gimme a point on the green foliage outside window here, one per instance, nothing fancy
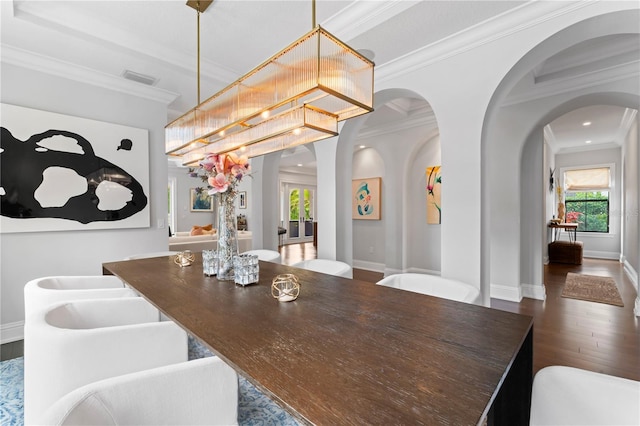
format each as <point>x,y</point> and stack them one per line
<point>593,207</point>
<point>294,204</point>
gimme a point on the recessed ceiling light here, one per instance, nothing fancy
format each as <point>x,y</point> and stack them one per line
<point>362,146</point>
<point>299,164</point>
<point>586,123</point>
<point>587,141</point>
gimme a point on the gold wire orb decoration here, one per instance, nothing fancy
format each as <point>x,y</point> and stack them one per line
<point>285,287</point>
<point>185,258</point>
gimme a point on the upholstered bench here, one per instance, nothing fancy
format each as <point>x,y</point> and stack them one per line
<point>566,252</point>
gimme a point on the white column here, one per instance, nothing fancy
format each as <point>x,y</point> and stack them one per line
<point>326,211</point>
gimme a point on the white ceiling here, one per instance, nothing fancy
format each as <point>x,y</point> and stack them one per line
<point>158,39</point>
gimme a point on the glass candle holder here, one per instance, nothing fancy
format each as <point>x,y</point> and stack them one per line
<point>285,287</point>
<point>246,269</point>
<point>209,262</point>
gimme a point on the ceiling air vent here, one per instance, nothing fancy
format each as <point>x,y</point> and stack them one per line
<point>139,78</point>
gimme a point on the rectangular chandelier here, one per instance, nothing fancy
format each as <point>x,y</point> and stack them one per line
<point>295,97</point>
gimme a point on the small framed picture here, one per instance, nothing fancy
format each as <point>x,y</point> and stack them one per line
<point>201,201</point>
<point>242,199</point>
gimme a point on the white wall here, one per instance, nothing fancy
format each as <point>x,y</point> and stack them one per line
<point>369,235</point>
<point>606,246</point>
<point>533,190</point>
<point>401,240</point>
<point>550,196</point>
<point>26,256</point>
<point>631,246</point>
<point>423,241</point>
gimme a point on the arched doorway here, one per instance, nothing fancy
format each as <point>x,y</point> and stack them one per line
<point>514,225</point>
<point>402,132</point>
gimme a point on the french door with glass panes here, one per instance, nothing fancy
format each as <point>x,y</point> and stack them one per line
<point>300,211</point>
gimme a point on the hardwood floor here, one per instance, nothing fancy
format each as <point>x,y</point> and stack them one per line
<point>593,336</point>
<point>576,333</point>
<point>293,253</point>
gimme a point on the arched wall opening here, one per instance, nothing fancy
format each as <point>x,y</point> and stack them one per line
<point>384,245</point>
<point>513,226</point>
<point>538,206</point>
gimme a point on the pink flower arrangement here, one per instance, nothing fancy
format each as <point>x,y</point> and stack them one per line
<point>571,217</point>
<point>222,172</point>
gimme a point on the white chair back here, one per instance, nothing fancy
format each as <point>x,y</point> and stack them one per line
<point>71,344</point>
<point>326,266</point>
<point>433,285</point>
<point>203,391</point>
<point>572,396</point>
<point>42,292</point>
<point>266,255</point>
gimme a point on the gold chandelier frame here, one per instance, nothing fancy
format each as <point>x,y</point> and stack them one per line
<point>295,97</point>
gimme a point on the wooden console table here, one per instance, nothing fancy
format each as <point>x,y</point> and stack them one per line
<point>556,227</point>
<point>348,351</point>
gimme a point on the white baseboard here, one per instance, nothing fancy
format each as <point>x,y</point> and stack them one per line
<point>633,277</point>
<point>602,254</point>
<point>391,271</point>
<point>503,292</point>
<point>423,271</point>
<point>12,332</point>
<point>632,274</point>
<point>368,266</point>
<point>538,292</point>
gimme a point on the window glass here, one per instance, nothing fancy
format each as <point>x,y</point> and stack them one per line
<point>590,209</point>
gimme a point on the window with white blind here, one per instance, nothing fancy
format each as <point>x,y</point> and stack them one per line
<point>586,198</point>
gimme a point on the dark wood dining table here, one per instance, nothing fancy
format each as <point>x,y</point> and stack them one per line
<point>349,351</point>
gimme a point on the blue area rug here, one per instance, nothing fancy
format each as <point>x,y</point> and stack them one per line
<point>254,408</point>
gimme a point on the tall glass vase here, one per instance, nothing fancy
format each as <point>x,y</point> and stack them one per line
<point>227,236</point>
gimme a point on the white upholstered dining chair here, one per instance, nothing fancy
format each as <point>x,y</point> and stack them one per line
<point>199,392</point>
<point>71,344</point>
<point>572,396</point>
<point>433,285</point>
<point>326,266</point>
<point>41,292</point>
<point>266,255</point>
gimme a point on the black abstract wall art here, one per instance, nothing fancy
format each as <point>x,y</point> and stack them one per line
<point>59,172</point>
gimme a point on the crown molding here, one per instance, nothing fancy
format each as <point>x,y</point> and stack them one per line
<point>427,121</point>
<point>515,20</point>
<point>48,15</point>
<point>25,59</point>
<point>361,16</point>
<point>590,147</point>
<point>573,83</point>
